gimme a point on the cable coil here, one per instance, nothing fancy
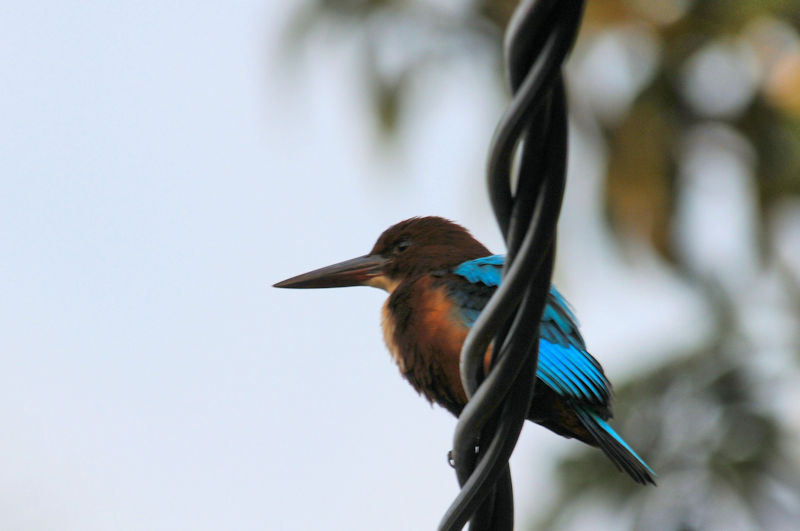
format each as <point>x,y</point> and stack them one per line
<point>532,133</point>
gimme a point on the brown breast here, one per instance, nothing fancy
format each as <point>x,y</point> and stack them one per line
<point>425,337</point>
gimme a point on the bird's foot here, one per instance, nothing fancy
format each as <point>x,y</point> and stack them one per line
<point>452,460</point>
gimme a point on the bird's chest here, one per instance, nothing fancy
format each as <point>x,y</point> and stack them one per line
<point>424,336</point>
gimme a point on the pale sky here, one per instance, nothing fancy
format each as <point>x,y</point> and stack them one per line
<point>162,166</point>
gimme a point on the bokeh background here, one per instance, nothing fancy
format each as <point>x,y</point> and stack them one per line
<point>162,164</point>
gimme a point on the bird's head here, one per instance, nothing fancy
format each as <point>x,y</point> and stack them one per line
<point>406,250</point>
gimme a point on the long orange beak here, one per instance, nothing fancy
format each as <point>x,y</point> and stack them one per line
<point>354,272</point>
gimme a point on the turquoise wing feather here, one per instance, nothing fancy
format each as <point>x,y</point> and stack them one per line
<point>564,364</point>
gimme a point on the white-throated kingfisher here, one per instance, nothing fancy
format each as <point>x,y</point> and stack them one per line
<point>439,278</point>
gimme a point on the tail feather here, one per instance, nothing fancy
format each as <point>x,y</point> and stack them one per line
<point>615,447</point>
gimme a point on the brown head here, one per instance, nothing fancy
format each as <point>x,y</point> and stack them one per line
<point>406,250</point>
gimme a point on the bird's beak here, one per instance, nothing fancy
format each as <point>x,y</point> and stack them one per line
<point>356,272</point>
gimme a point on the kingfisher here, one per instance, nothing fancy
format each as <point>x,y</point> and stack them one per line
<point>439,278</point>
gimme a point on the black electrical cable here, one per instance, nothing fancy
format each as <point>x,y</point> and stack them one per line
<point>534,127</point>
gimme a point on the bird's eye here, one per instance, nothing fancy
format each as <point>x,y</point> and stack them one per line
<point>401,246</point>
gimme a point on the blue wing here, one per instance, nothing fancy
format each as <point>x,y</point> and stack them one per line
<point>564,364</point>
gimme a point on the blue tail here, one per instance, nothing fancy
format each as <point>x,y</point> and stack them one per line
<point>615,448</point>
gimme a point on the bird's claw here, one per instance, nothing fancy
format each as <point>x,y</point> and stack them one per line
<point>452,460</point>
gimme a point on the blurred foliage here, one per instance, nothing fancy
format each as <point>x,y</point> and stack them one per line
<point>761,36</point>
<point>703,421</point>
<point>723,458</point>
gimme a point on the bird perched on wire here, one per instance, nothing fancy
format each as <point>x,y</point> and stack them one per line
<point>439,278</point>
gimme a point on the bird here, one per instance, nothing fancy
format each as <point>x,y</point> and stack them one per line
<point>439,278</point>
